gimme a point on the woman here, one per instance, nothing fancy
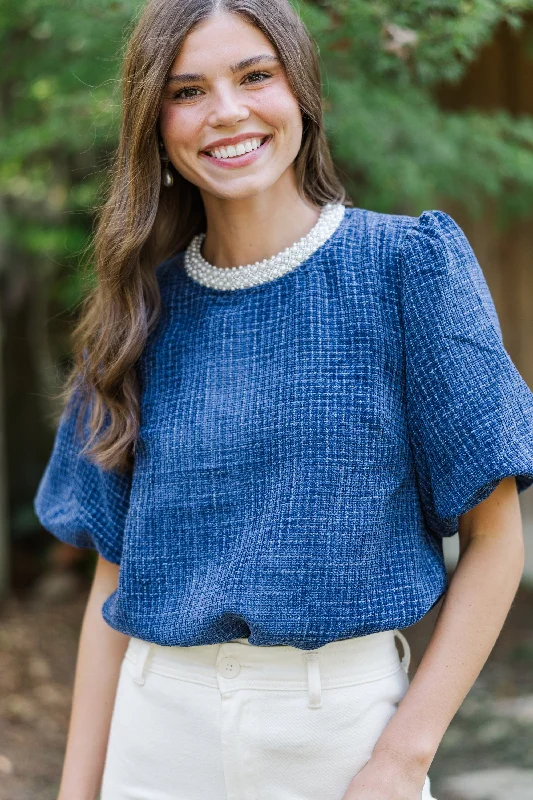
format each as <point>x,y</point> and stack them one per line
<point>286,402</point>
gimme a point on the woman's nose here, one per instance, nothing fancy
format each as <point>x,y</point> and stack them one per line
<point>227,109</point>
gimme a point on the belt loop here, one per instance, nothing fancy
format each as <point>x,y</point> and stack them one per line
<point>406,660</point>
<point>140,663</point>
<point>313,679</point>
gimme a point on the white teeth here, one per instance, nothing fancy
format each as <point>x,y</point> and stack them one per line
<point>235,150</point>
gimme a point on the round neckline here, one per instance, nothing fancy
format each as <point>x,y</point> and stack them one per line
<point>232,280</point>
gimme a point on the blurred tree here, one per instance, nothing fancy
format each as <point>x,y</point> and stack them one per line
<point>398,151</point>
<point>59,97</point>
<point>395,148</point>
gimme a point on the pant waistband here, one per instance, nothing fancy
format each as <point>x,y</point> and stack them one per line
<point>238,664</point>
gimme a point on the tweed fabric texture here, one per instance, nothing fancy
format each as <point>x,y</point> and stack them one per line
<point>305,443</point>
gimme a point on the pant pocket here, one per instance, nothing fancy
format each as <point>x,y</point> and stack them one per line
<point>293,752</point>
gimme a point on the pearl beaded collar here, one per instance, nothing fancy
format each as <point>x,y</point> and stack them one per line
<point>247,275</point>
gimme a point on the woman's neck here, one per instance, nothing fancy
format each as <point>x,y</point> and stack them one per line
<point>242,231</point>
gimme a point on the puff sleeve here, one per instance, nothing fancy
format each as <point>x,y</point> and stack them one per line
<point>78,501</point>
<point>469,411</point>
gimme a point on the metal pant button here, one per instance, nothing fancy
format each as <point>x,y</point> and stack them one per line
<point>229,667</point>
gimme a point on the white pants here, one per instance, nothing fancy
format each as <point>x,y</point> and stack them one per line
<point>236,721</point>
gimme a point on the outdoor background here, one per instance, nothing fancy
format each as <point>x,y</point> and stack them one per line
<point>428,105</point>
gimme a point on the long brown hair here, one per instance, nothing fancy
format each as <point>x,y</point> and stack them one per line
<point>141,224</point>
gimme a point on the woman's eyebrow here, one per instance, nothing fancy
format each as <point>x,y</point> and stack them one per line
<point>189,77</point>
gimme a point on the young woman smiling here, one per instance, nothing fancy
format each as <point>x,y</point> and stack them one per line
<point>280,404</point>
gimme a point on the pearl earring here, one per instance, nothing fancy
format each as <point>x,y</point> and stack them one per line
<point>167,178</point>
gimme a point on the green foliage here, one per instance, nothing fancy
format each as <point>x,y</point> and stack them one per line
<point>396,148</point>
<point>60,97</point>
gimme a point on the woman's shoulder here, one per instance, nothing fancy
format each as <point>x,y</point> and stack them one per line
<point>375,236</point>
<point>395,226</point>
<point>167,270</point>
<point>373,239</point>
<point>395,238</point>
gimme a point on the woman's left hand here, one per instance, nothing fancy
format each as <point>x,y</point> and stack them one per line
<point>380,779</point>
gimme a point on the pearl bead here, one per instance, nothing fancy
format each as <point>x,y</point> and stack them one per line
<point>168,178</point>
<point>268,269</point>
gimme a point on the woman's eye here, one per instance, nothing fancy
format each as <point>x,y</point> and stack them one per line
<point>180,96</point>
<point>187,92</point>
<point>260,74</point>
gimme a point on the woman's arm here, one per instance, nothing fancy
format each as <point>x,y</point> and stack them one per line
<point>100,653</point>
<point>474,609</point>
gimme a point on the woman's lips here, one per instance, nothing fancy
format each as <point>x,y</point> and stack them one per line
<point>239,161</point>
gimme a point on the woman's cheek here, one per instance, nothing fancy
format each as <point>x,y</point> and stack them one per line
<point>165,115</point>
<point>179,126</point>
<point>280,111</point>
<point>276,102</point>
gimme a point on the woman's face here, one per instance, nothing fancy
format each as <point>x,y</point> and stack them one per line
<point>227,88</point>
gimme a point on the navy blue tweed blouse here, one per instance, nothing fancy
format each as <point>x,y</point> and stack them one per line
<point>305,443</point>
